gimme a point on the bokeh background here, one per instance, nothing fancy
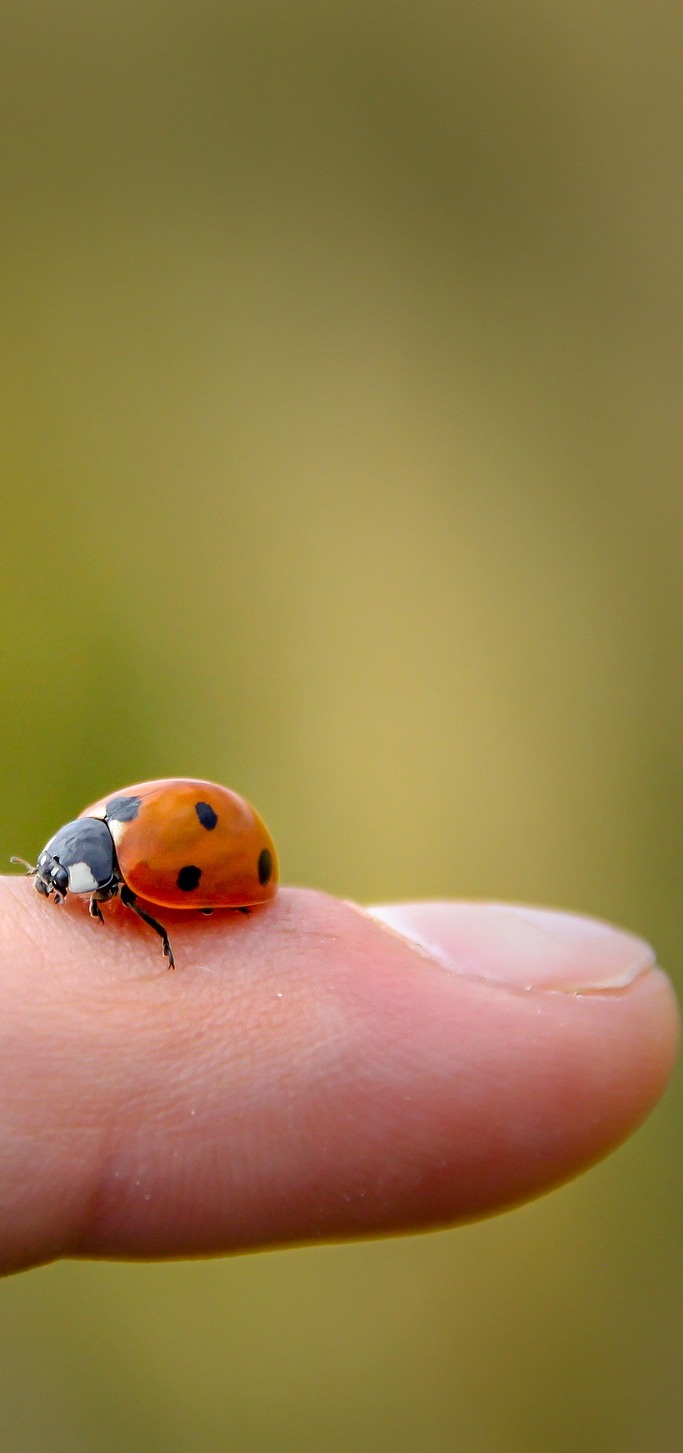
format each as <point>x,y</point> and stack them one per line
<point>341,461</point>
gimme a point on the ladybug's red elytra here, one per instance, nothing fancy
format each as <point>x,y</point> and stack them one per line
<point>178,843</point>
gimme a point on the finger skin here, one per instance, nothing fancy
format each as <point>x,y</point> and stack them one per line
<point>303,1073</point>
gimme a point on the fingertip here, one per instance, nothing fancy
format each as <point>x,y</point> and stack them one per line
<point>307,1070</point>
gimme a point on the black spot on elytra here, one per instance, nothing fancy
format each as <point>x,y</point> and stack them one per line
<point>123,809</point>
<point>206,815</point>
<point>188,878</point>
<point>265,866</point>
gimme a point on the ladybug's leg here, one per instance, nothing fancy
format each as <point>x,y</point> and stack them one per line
<point>131,902</point>
<point>95,910</point>
<point>243,910</point>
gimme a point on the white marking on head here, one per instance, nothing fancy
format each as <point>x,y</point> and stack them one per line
<point>81,879</point>
<point>116,829</point>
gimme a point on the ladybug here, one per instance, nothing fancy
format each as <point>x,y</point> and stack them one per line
<point>177,843</point>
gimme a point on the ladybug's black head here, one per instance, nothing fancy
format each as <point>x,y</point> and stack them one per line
<point>80,858</point>
<point>51,876</point>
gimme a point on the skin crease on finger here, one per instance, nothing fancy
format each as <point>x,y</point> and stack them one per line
<point>304,1073</point>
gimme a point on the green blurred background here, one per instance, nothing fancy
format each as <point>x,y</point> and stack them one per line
<point>341,461</point>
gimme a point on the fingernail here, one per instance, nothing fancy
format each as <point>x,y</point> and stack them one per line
<point>525,948</point>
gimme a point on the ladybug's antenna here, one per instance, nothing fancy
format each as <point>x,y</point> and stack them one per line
<point>22,862</point>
